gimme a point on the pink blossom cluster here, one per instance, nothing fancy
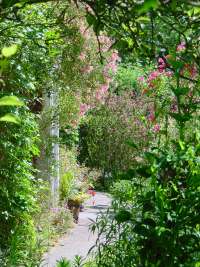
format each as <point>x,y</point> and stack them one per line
<point>151,116</point>
<point>191,69</point>
<point>83,109</point>
<point>152,119</point>
<point>153,76</point>
<point>87,69</point>
<point>82,56</point>
<point>181,47</point>
<point>141,79</point>
<point>156,128</point>
<point>88,9</point>
<point>84,31</point>
<point>109,69</point>
<point>161,65</point>
<point>102,91</point>
<point>105,42</point>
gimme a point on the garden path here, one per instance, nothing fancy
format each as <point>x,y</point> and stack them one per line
<point>80,239</point>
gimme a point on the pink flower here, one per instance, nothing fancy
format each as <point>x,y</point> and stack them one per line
<point>181,47</point>
<point>104,88</point>
<point>110,67</point>
<point>87,69</point>
<point>141,79</point>
<point>193,71</point>
<point>151,116</point>
<point>156,128</point>
<point>161,65</point>
<point>115,56</point>
<point>174,107</point>
<point>168,73</point>
<point>153,75</point>
<point>82,56</point>
<point>88,9</point>
<point>83,109</point>
<point>84,31</point>
<point>108,80</point>
<point>99,95</point>
<point>105,42</point>
<point>161,61</point>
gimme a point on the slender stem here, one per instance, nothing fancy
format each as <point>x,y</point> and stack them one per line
<point>180,123</point>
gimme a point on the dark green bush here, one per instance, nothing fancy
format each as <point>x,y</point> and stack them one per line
<point>17,188</point>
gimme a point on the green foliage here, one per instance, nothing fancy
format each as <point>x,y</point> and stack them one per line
<point>17,147</point>
<point>10,101</point>
<point>126,78</point>
<point>67,185</point>
<point>63,263</point>
<point>69,137</point>
<point>77,262</point>
<point>154,218</point>
<point>9,51</point>
<point>104,137</point>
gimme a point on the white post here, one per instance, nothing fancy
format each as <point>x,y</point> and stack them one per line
<point>54,134</point>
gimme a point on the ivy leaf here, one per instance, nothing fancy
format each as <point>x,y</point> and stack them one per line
<point>9,51</point>
<point>10,118</point>
<point>10,101</point>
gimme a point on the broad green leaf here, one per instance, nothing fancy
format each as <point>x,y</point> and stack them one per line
<point>10,118</point>
<point>143,19</point>
<point>161,229</point>
<point>147,5</point>
<point>10,101</point>
<point>9,51</point>
<point>91,19</point>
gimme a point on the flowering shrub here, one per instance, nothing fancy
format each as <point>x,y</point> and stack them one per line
<point>156,213</point>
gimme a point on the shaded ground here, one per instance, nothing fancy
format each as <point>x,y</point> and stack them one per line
<point>79,240</point>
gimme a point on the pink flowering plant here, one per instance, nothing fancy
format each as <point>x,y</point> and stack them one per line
<point>156,203</point>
